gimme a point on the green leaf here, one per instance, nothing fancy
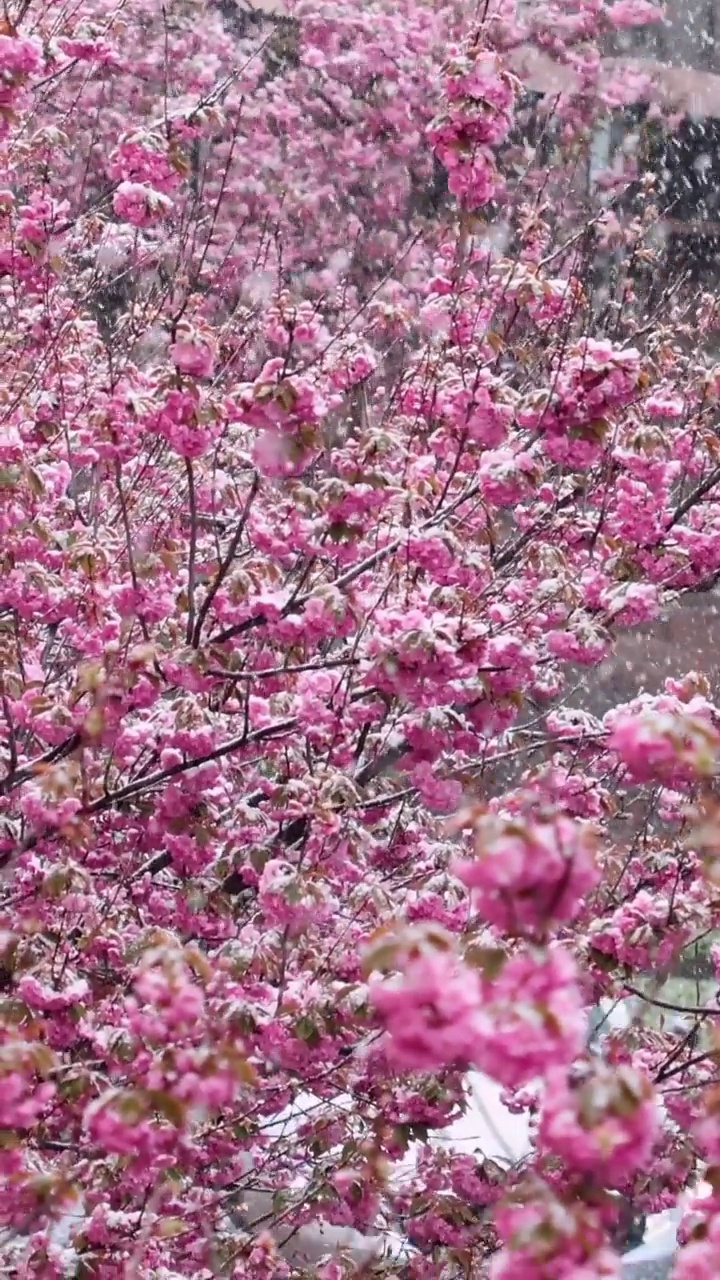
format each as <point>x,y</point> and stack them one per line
<point>306,1030</point>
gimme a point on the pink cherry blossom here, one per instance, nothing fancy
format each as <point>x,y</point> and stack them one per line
<point>529,870</point>
<point>430,1012</point>
<point>139,204</point>
<point>600,1121</point>
<point>359,532</point>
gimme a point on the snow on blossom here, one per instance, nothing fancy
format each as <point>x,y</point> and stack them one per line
<point>329,451</point>
<point>601,1120</point>
<point>658,737</point>
<point>429,1012</point>
<point>529,870</point>
<point>139,204</point>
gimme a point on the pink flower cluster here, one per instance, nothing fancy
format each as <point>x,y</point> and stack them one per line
<point>549,1238</point>
<point>140,204</point>
<point>316,484</point>
<point>193,351</point>
<point>650,929</point>
<point>430,1012</point>
<point>595,380</point>
<point>288,901</point>
<point>514,1024</point>
<point>600,1120</point>
<point>480,96</point>
<point>664,738</point>
<point>531,870</point>
<point>142,159</point>
<point>20,57</point>
<point>286,410</point>
<point>634,13</point>
<point>507,476</point>
<point>531,1017</point>
<point>24,1095</point>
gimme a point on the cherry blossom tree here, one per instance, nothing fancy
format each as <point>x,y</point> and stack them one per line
<point>327,460</point>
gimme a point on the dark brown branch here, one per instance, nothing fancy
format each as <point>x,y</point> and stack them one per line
<point>226,563</point>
